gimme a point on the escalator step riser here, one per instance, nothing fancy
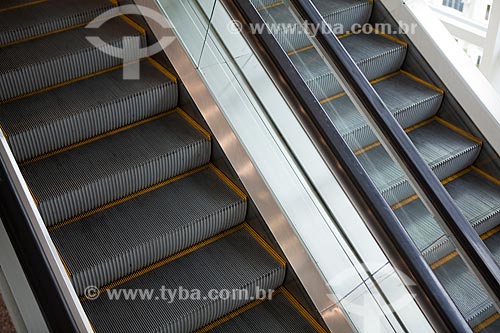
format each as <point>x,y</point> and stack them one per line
<point>60,69</point>
<point>364,136</point>
<point>327,85</point>
<point>54,24</point>
<point>88,123</point>
<point>224,265</point>
<point>78,180</point>
<point>161,247</point>
<point>403,190</point>
<point>116,186</point>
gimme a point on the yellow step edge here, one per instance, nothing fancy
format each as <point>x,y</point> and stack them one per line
<point>459,130</point>
<point>64,264</point>
<point>293,301</point>
<point>265,245</point>
<point>452,255</point>
<point>228,182</point>
<point>391,38</point>
<point>486,323</point>
<point>443,182</point>
<point>303,311</point>
<point>2,10</point>
<point>133,24</point>
<point>276,4</point>
<point>375,81</point>
<point>302,49</point>
<point>162,69</point>
<point>195,124</point>
<point>422,81</point>
<point>97,137</point>
<point>486,175</point>
<point>126,198</point>
<point>169,259</point>
<point>231,315</point>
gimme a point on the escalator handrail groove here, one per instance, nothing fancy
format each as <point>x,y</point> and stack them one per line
<point>435,301</point>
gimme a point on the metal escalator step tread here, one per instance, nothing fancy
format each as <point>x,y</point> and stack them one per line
<point>92,175</point>
<point>446,151</point>
<point>375,55</point>
<point>60,57</point>
<point>478,199</point>
<point>408,100</point>
<point>277,315</point>
<point>57,118</point>
<point>118,241</point>
<point>341,15</point>
<point>232,263</point>
<point>47,16</point>
<point>465,290</point>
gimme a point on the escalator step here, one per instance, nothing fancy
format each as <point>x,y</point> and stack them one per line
<point>477,197</point>
<point>445,150</point>
<point>410,102</point>
<point>115,242</point>
<point>235,262</point>
<point>57,118</point>
<point>375,55</point>
<point>465,290</point>
<point>277,315</point>
<point>89,176</point>
<point>47,16</point>
<point>341,15</point>
<point>60,57</point>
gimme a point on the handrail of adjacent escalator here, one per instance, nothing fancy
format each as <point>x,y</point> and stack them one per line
<point>442,312</point>
<point>468,243</point>
<point>29,251</point>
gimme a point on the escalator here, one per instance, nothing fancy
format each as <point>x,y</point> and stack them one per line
<point>124,181</point>
<point>418,105</point>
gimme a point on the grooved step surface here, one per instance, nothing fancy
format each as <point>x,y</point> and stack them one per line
<point>113,243</point>
<point>277,315</point>
<point>375,55</point>
<point>341,15</point>
<point>235,262</point>
<point>60,117</point>
<point>465,289</point>
<point>446,152</point>
<point>81,179</point>
<point>477,198</point>
<point>48,16</point>
<point>408,100</point>
<point>61,57</point>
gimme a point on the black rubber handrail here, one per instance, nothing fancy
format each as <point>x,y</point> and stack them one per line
<point>30,254</point>
<point>445,315</point>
